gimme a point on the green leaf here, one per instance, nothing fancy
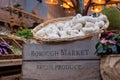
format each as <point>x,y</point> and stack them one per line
<point>113,48</point>
<point>115,37</point>
<point>100,49</point>
<point>98,44</point>
<point>25,33</point>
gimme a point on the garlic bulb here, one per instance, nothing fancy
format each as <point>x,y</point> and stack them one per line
<point>81,33</point>
<point>78,16</point>
<point>52,36</point>
<point>75,19</point>
<point>88,30</point>
<point>72,33</point>
<point>102,17</point>
<point>89,24</point>
<point>96,28</point>
<point>41,33</point>
<point>82,20</point>
<point>78,26</point>
<point>59,24</point>
<point>63,34</point>
<point>100,24</point>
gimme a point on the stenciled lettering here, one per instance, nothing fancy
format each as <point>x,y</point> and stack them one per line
<point>65,52</point>
<point>61,52</point>
<point>44,53</point>
<point>58,67</point>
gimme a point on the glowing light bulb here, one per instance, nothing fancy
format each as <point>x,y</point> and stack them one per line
<point>68,2</point>
<point>96,9</point>
<point>99,1</point>
<point>51,1</point>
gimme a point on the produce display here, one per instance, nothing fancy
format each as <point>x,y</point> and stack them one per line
<point>16,50</point>
<point>4,48</point>
<point>77,26</point>
<point>25,33</point>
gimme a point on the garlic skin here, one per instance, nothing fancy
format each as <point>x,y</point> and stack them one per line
<point>89,24</point>
<point>82,20</point>
<point>63,34</point>
<point>100,24</point>
<point>81,33</point>
<point>41,33</point>
<point>68,25</point>
<point>102,17</point>
<point>78,16</point>
<point>90,19</point>
<point>72,33</point>
<point>60,24</point>
<point>52,36</point>
<point>88,30</point>
<point>97,28</point>
<point>78,26</point>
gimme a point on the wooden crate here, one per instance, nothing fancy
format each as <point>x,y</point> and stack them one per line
<point>84,49</point>
<point>61,61</point>
<point>10,62</point>
<point>13,42</point>
<point>10,56</point>
<point>61,70</point>
<point>11,77</point>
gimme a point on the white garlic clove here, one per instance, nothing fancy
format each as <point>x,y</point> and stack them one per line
<point>89,24</point>
<point>41,33</point>
<point>88,30</point>
<point>82,20</point>
<point>81,33</point>
<point>100,24</point>
<point>102,17</point>
<point>63,34</point>
<point>78,26</point>
<point>60,24</point>
<point>52,36</point>
<point>73,33</point>
<point>78,16</point>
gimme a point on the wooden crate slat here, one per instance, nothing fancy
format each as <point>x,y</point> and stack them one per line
<point>10,62</point>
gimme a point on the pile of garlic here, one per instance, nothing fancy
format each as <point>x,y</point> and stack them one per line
<point>77,26</point>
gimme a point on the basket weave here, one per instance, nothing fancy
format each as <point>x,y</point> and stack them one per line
<point>64,39</point>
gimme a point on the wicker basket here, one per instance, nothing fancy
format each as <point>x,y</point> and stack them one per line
<point>64,39</point>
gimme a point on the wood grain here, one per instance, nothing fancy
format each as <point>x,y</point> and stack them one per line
<point>110,67</point>
<point>84,49</point>
<point>61,70</point>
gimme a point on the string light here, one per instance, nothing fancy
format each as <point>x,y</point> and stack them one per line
<point>109,5</point>
<point>96,9</point>
<point>99,1</point>
<point>67,4</point>
<point>54,2</point>
<point>115,0</point>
